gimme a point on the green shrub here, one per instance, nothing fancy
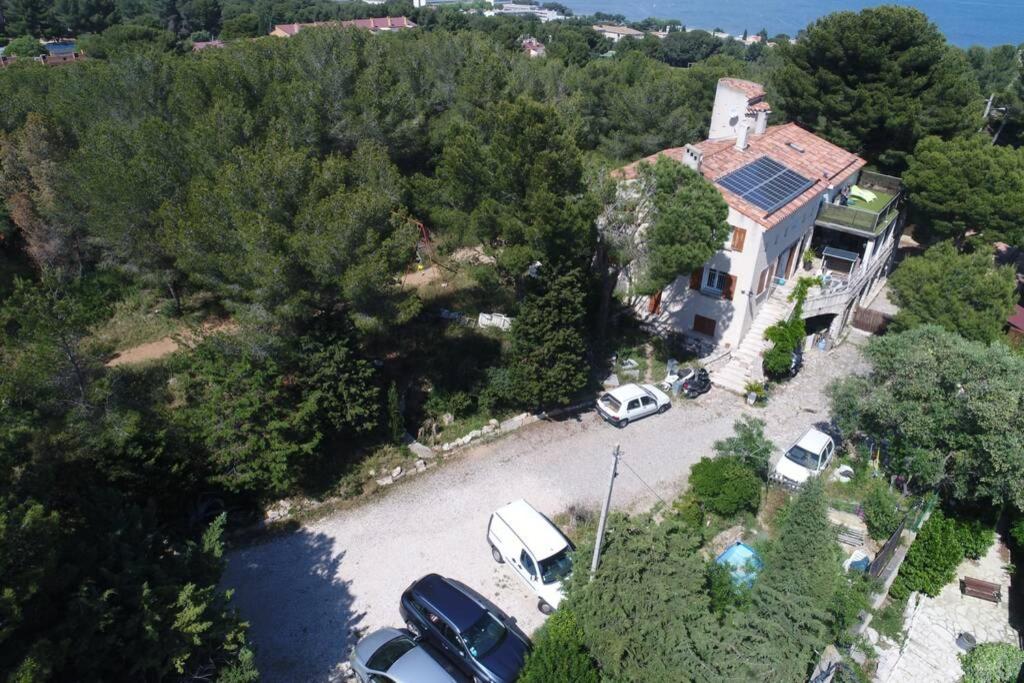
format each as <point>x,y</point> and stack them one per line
<point>725,486</point>
<point>749,444</point>
<point>725,595</point>
<point>932,560</point>
<point>689,510</point>
<point>888,621</point>
<point>786,335</point>
<point>992,663</point>
<point>882,512</point>
<point>458,403</point>
<point>1017,531</point>
<point>25,46</point>
<point>559,655</point>
<point>975,538</point>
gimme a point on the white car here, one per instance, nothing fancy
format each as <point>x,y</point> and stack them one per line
<point>535,549</point>
<point>622,405</point>
<point>807,458</point>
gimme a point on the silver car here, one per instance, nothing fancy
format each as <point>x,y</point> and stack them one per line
<point>392,655</point>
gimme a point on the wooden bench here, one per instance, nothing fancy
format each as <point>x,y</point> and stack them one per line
<point>849,536</point>
<point>985,590</point>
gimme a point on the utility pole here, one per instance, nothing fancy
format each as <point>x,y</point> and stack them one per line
<point>604,511</point>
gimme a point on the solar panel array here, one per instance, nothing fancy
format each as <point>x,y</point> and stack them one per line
<point>765,183</point>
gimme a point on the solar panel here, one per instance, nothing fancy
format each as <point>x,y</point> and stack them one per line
<point>765,183</point>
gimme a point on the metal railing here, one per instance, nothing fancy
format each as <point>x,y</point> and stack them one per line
<point>840,295</point>
<point>888,183</point>
<point>870,222</point>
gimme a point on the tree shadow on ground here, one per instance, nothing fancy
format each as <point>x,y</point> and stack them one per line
<point>301,621</point>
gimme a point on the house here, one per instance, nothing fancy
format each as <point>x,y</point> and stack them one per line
<point>518,10</point>
<point>374,25</point>
<point>617,33</point>
<point>48,60</point>
<point>787,191</point>
<point>533,47</point>
<point>1015,324</point>
<point>206,44</point>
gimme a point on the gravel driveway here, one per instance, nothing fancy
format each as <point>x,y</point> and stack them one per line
<point>304,593</point>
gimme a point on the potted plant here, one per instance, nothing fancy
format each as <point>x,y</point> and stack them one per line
<point>809,256</point>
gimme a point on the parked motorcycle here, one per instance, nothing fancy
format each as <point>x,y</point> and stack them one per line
<point>796,363</point>
<point>696,384</point>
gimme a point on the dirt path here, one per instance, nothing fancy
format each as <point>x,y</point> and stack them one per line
<point>144,352</point>
<point>164,347</point>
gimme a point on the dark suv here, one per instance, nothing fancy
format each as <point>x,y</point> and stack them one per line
<point>482,642</point>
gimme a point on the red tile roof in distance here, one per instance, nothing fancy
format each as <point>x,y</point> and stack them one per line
<point>789,144</point>
<point>1016,320</point>
<point>373,24</point>
<point>749,88</point>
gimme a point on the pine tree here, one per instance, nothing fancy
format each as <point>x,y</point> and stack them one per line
<point>787,623</point>
<point>547,349</point>
<point>559,655</point>
<point>396,425</point>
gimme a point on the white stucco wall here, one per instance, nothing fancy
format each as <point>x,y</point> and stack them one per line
<point>729,111</point>
<point>680,304</point>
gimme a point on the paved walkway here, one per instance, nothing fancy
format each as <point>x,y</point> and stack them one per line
<point>306,592</point>
<point>929,654</point>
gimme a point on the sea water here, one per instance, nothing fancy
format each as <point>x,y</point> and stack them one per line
<point>965,22</point>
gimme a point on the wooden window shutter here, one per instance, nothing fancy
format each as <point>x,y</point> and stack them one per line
<point>654,303</point>
<point>695,278</point>
<point>739,236</point>
<point>762,281</point>
<point>730,288</point>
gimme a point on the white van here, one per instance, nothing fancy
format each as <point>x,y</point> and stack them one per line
<point>534,548</point>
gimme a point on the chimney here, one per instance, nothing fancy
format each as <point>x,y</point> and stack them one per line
<point>761,122</point>
<point>742,134</point>
<point>693,157</point>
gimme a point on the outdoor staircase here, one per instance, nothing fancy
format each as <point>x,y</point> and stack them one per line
<point>735,375</point>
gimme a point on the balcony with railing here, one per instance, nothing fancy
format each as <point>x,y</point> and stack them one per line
<point>873,205</point>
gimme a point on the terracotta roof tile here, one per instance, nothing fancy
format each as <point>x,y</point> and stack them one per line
<point>749,88</point>
<point>812,157</point>
<point>372,24</point>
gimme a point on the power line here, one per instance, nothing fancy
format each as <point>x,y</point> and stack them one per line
<point>626,464</point>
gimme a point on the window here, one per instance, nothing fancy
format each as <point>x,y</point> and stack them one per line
<point>739,236</point>
<point>762,281</point>
<point>803,457</point>
<point>389,653</point>
<point>484,635</point>
<point>528,564</point>
<point>556,567</point>
<point>448,633</point>
<point>704,325</point>
<point>716,280</point>
<point>648,402</point>
<point>634,404</point>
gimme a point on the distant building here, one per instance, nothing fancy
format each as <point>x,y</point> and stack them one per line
<point>201,45</point>
<point>1015,324</point>
<point>794,198</point>
<point>48,60</point>
<point>533,47</point>
<point>374,25</point>
<point>617,33</point>
<point>516,10</point>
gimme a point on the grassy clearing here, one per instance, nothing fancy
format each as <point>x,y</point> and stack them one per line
<point>888,619</point>
<point>142,316</point>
